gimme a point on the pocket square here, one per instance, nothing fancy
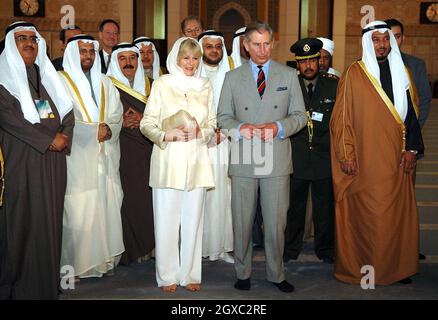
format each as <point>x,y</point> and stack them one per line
<point>281,88</point>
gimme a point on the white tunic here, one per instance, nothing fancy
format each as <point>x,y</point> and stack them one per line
<point>92,232</point>
<point>218,229</point>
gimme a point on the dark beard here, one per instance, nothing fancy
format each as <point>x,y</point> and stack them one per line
<point>383,59</point>
<point>212,62</point>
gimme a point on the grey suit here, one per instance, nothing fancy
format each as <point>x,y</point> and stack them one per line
<point>240,103</point>
<point>419,73</point>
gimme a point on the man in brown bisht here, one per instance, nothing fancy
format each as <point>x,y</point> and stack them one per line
<point>127,74</point>
<point>375,140</point>
<point>36,128</point>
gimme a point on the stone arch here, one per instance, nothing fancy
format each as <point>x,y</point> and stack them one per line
<point>228,31</point>
<point>229,6</point>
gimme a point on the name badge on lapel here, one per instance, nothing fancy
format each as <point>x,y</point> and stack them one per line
<point>44,109</point>
<point>316,116</point>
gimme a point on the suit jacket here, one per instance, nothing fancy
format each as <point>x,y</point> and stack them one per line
<point>419,73</point>
<point>57,63</point>
<point>102,62</point>
<point>312,162</point>
<point>240,103</point>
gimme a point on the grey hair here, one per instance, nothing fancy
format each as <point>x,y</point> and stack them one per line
<point>258,26</point>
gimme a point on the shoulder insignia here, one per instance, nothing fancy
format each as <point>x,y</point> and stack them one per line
<point>330,76</point>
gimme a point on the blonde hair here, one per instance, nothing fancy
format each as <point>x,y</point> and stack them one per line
<point>189,46</point>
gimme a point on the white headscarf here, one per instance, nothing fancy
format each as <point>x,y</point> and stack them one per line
<point>115,71</point>
<point>328,45</point>
<point>72,65</point>
<point>176,76</point>
<point>13,76</point>
<point>400,78</point>
<point>235,55</point>
<point>224,66</point>
<point>143,41</point>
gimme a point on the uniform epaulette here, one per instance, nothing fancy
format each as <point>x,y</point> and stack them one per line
<point>330,76</point>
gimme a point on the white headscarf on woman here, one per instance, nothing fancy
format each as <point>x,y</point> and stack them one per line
<point>115,71</point>
<point>235,55</point>
<point>13,75</point>
<point>217,80</point>
<point>72,65</point>
<point>400,78</point>
<point>177,77</point>
<point>145,41</point>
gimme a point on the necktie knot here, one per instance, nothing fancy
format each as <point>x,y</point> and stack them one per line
<point>310,90</point>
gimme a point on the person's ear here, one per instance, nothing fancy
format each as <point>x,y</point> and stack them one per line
<point>246,45</point>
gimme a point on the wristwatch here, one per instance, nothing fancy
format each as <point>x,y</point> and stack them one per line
<point>414,151</point>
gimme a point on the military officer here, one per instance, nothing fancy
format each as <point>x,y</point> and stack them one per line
<point>311,157</point>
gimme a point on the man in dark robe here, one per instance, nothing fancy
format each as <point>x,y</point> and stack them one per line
<point>36,126</point>
<point>127,75</point>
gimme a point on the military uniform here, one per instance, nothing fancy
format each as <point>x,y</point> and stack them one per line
<point>312,167</point>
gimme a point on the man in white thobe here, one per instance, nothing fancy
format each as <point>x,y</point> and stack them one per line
<point>217,238</point>
<point>92,235</point>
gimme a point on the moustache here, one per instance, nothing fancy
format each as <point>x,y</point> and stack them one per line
<point>309,70</point>
<point>128,66</point>
<point>29,48</point>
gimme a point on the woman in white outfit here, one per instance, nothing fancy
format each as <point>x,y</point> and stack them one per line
<point>180,167</point>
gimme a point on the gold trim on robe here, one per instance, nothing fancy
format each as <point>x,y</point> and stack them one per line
<point>148,87</point>
<point>131,91</point>
<point>81,101</point>
<point>387,101</point>
<point>413,93</point>
<point>231,62</point>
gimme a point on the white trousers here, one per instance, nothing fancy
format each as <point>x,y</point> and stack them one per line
<point>178,221</point>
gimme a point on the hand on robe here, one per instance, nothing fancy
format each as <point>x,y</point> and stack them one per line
<point>131,119</point>
<point>349,167</point>
<point>104,133</point>
<point>266,131</point>
<point>408,161</point>
<point>59,143</point>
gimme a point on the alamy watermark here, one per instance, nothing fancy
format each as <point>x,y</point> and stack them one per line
<point>368,281</point>
<point>369,15</point>
<point>67,277</point>
<point>68,20</point>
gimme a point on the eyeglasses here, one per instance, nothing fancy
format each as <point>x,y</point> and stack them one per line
<point>24,39</point>
<point>192,31</point>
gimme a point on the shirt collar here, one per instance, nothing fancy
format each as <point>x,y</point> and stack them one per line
<point>255,66</point>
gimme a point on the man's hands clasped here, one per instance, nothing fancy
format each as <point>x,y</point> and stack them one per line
<point>265,131</point>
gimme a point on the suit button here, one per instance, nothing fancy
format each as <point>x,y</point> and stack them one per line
<point>246,108</point>
<point>276,107</point>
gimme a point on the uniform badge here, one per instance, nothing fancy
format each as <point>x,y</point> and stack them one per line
<point>306,48</point>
